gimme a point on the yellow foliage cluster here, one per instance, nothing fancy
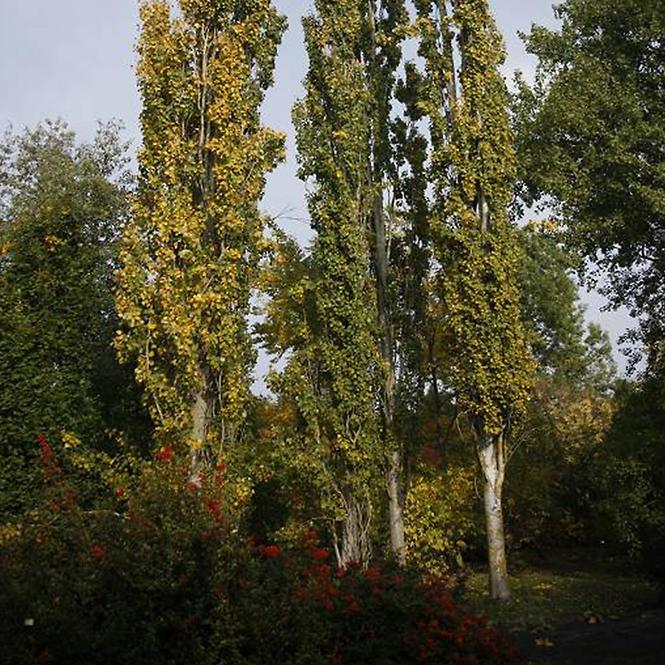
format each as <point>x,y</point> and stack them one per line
<point>191,249</point>
<point>440,518</point>
<point>473,167</point>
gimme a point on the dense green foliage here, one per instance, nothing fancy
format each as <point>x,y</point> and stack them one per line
<point>590,136</point>
<point>332,376</point>
<point>61,209</point>
<point>591,141</point>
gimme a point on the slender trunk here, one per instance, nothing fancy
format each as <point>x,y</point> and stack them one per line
<point>199,418</point>
<point>396,507</point>
<point>492,464</point>
<point>199,428</point>
<point>394,475</point>
<point>376,170</point>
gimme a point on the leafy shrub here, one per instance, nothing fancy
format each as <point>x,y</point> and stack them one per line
<point>162,574</point>
<point>442,520</point>
<point>550,475</point>
<point>124,581</point>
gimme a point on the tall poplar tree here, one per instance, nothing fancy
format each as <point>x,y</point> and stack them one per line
<point>472,170</point>
<point>190,252</point>
<point>336,366</point>
<point>344,146</point>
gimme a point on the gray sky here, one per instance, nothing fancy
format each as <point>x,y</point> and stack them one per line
<point>73,59</point>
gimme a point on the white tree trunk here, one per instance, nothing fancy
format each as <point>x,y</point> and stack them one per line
<point>396,508</point>
<point>199,432</point>
<point>492,463</point>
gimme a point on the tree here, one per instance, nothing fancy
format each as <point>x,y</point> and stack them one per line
<point>567,419</point>
<point>332,375</point>
<point>61,206</point>
<point>591,141</point>
<point>474,242</point>
<point>191,249</point>
<point>381,54</point>
<point>344,145</point>
<point>567,350</point>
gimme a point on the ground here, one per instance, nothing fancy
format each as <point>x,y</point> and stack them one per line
<point>579,607</point>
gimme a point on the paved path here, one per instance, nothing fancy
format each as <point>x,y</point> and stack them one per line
<point>633,639</point>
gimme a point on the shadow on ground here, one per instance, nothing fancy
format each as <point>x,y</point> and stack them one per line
<point>632,640</point>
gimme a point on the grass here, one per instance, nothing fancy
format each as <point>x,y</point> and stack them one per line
<point>563,588</point>
<point>566,586</point>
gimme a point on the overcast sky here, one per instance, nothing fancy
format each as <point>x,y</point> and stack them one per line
<point>73,59</point>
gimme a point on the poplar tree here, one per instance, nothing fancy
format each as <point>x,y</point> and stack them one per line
<point>337,364</point>
<point>190,252</point>
<point>343,126</point>
<point>472,171</point>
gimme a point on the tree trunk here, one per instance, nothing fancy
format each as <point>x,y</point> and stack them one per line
<point>492,463</point>
<point>355,545</point>
<point>199,418</point>
<point>376,171</point>
<point>199,430</point>
<point>396,507</point>
<point>394,475</point>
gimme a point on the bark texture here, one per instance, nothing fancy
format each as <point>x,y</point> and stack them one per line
<point>353,544</point>
<point>492,464</point>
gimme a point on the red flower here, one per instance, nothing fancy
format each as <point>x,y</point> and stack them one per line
<point>120,492</point>
<point>214,507</point>
<point>319,554</point>
<point>164,454</point>
<point>271,552</point>
<point>47,457</point>
<point>98,552</point>
<point>372,573</point>
<point>322,571</point>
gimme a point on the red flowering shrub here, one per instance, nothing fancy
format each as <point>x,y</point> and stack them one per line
<point>164,454</point>
<point>127,580</point>
<point>98,552</point>
<point>307,610</point>
<point>162,574</point>
<point>269,551</point>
